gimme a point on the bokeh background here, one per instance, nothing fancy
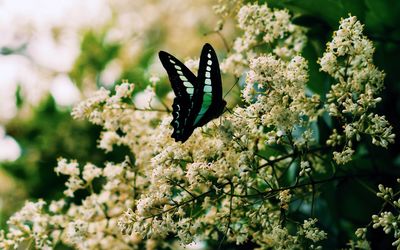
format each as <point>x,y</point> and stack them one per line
<point>55,53</point>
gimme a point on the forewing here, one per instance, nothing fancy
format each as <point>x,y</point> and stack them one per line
<point>210,85</point>
<point>183,83</point>
<point>182,79</point>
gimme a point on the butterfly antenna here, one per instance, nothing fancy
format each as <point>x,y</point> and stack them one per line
<point>229,110</point>
<point>165,106</point>
<point>162,103</point>
<point>237,80</point>
<point>224,41</point>
<point>218,32</point>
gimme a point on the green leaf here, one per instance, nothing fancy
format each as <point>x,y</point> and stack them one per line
<point>381,15</point>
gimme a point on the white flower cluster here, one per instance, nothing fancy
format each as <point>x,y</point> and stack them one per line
<point>75,182</point>
<point>276,91</point>
<point>348,60</point>
<point>28,226</point>
<point>86,108</point>
<point>92,107</point>
<point>361,240</point>
<point>280,238</point>
<point>123,123</point>
<point>92,224</point>
<point>226,8</point>
<point>311,232</point>
<point>262,28</point>
<point>389,221</point>
<point>196,189</point>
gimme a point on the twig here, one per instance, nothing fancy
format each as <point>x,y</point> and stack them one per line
<point>185,202</point>
<point>229,216</point>
<point>269,162</point>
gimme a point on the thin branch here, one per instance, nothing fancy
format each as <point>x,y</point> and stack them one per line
<point>374,192</point>
<point>229,216</point>
<point>265,194</point>
<point>182,187</point>
<point>313,194</point>
<point>269,162</point>
<point>185,202</point>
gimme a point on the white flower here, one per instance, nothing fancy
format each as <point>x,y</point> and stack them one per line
<point>57,206</point>
<point>108,139</point>
<point>90,171</point>
<point>74,183</point>
<point>65,168</point>
<point>124,90</point>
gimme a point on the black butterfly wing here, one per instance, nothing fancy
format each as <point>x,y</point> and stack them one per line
<point>183,83</point>
<point>209,87</point>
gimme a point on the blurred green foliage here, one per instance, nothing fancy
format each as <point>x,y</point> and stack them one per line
<point>96,52</point>
<point>51,133</point>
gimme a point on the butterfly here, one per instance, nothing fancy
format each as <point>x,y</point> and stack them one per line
<point>198,100</point>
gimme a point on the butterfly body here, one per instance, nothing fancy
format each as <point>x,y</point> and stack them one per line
<point>198,100</point>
